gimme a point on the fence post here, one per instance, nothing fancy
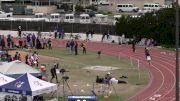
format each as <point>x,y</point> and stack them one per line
<point>42,26</point>
<point>11,24</point>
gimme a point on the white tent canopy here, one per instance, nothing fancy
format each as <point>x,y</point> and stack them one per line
<point>17,67</point>
<point>5,79</point>
<point>28,85</point>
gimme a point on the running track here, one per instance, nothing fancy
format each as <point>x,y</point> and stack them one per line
<point>162,69</point>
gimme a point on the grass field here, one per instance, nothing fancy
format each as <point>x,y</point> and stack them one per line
<point>81,80</point>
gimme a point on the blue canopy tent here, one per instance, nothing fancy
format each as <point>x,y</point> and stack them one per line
<point>28,85</point>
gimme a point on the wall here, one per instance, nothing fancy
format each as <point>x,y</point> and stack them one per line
<point>43,9</point>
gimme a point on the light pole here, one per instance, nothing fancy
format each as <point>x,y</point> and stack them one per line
<point>177,50</point>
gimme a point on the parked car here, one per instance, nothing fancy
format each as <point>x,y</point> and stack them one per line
<point>151,7</point>
<point>126,8</point>
<point>84,18</point>
<point>4,14</point>
<point>103,2</point>
<point>69,18</point>
<point>90,12</point>
<point>55,17</point>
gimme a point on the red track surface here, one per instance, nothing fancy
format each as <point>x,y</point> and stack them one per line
<point>162,69</point>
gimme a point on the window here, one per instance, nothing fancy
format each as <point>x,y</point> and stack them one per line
<point>71,17</point>
<point>145,5</point>
<point>67,17</point>
<point>56,16</point>
<point>52,17</point>
<point>40,16</point>
<point>130,5</point>
<point>87,17</point>
<point>119,5</point>
<point>14,98</point>
<point>7,98</point>
<point>83,17</point>
<point>156,5</point>
<point>126,5</point>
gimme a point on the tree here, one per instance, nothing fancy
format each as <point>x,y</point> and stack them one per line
<point>158,25</point>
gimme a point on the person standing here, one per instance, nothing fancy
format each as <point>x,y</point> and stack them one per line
<point>53,73</point>
<point>49,44</point>
<point>103,36</point>
<point>26,59</point>
<point>12,42</point>
<point>133,46</point>
<point>19,31</point>
<point>71,46</point>
<point>76,47</point>
<point>87,34</point>
<point>55,33</point>
<point>9,41</point>
<point>83,45</point>
<point>44,43</point>
<point>59,33</point>
<point>92,33</point>
<point>33,38</point>
<point>3,44</point>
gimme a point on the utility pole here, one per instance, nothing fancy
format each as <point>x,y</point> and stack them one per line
<point>177,50</point>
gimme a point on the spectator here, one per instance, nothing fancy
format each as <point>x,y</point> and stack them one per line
<point>83,45</point>
<point>49,44</point>
<point>26,59</point>
<point>108,34</point>
<point>76,47</point>
<point>20,43</point>
<point>12,42</point>
<point>68,46</point>
<point>55,33</point>
<point>16,56</point>
<point>33,38</point>
<point>36,58</point>
<point>133,46</point>
<point>71,44</point>
<point>19,57</point>
<point>92,33</point>
<point>39,32</point>
<point>87,34</point>
<point>19,31</point>
<point>59,33</point>
<point>62,33</point>
<point>3,44</point>
<point>9,41</point>
<point>38,44</point>
<point>103,36</point>
<point>44,43</point>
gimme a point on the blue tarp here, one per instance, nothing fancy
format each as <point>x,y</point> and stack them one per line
<point>18,86</point>
<point>28,85</point>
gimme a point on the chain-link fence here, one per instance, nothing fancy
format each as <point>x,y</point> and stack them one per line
<point>50,26</point>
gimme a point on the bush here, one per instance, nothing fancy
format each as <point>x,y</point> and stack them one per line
<point>79,8</point>
<point>92,7</point>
